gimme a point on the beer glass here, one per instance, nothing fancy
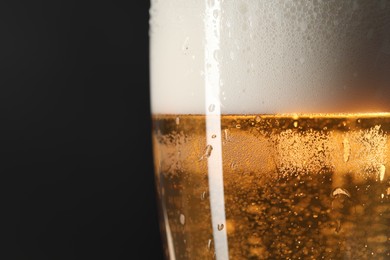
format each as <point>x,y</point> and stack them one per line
<point>271,126</point>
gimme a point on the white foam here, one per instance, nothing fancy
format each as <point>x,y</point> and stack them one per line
<point>279,56</point>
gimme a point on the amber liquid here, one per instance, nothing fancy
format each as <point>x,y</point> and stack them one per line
<point>295,186</point>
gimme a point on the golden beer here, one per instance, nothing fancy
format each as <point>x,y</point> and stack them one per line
<point>295,186</point>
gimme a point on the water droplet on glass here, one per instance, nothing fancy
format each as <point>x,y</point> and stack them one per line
<point>220,227</point>
<point>177,120</point>
<point>295,123</point>
<point>207,152</point>
<point>340,191</point>
<point>182,219</point>
<point>338,225</point>
<point>209,244</point>
<point>347,149</point>
<point>226,134</point>
<point>211,108</point>
<point>382,195</point>
<point>382,170</point>
<point>203,195</point>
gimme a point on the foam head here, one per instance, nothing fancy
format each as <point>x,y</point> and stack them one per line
<point>277,56</point>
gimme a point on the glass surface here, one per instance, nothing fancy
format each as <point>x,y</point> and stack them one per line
<point>271,124</point>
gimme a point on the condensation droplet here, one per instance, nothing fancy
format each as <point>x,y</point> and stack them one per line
<point>340,191</point>
<point>347,149</point>
<point>338,225</point>
<point>203,195</point>
<point>226,134</point>
<point>295,123</point>
<point>382,195</point>
<point>209,244</point>
<point>177,120</point>
<point>182,219</point>
<point>211,108</point>
<point>382,170</point>
<point>220,227</point>
<point>207,152</point>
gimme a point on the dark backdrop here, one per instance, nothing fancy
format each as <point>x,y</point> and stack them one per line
<point>75,148</point>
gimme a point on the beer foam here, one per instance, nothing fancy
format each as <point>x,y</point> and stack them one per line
<point>269,57</point>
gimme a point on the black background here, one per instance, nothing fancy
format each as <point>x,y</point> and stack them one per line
<point>75,147</point>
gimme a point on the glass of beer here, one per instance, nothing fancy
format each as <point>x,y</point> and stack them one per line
<point>271,128</point>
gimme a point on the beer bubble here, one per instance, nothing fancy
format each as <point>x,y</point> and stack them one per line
<point>182,219</point>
